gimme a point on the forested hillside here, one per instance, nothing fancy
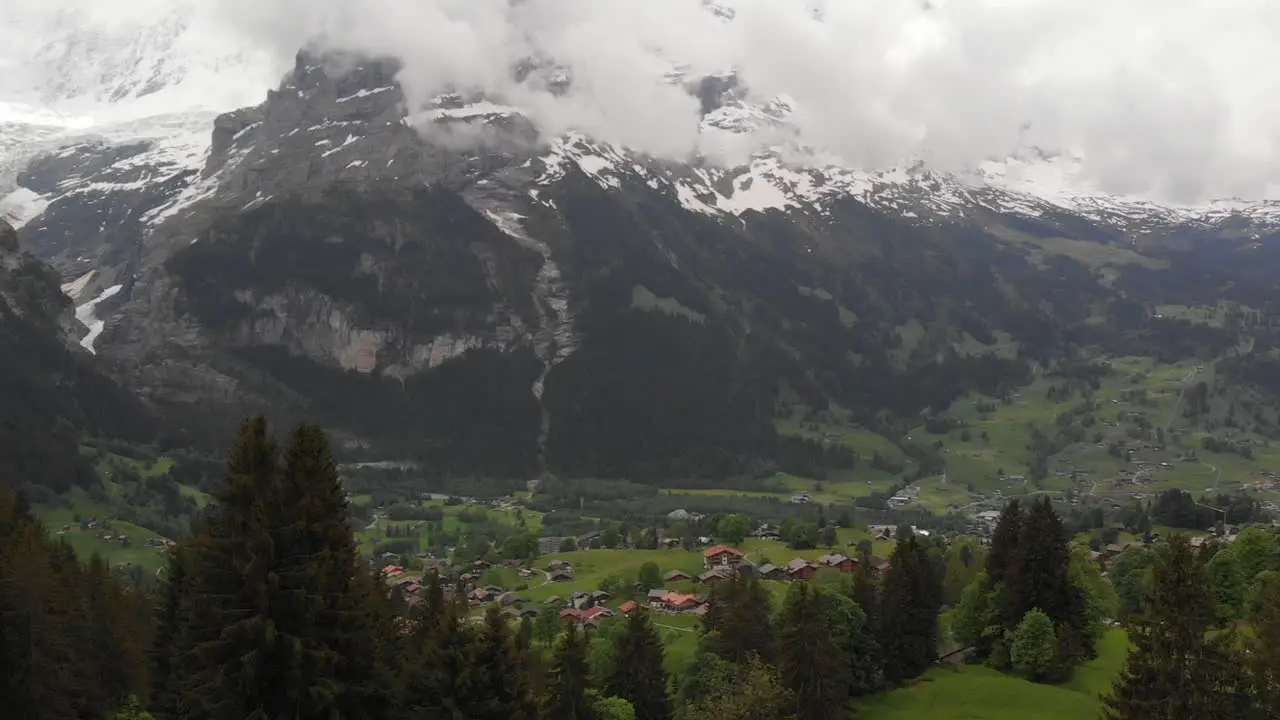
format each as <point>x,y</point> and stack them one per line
<point>53,395</point>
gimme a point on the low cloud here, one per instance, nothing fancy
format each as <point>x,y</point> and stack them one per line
<point>1176,99</point>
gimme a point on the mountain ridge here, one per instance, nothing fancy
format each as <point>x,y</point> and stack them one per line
<point>558,304</point>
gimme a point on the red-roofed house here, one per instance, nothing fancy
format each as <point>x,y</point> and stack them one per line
<point>628,607</point>
<point>676,602</point>
<point>597,613</point>
<point>408,585</point>
<point>571,614</point>
<point>721,555</point>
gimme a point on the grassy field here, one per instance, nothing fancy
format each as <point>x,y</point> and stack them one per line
<point>841,488</point>
<point>994,444</point>
<point>368,537</point>
<point>980,693</point>
<point>62,523</point>
<point>991,446</point>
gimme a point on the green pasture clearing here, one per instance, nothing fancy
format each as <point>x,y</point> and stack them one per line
<point>840,489</point>
<point>591,567</point>
<point>1091,254</point>
<point>941,498</point>
<point>718,492</point>
<point>368,537</point>
<point>865,442</point>
<point>972,692</point>
<point>61,523</point>
<point>998,437</point>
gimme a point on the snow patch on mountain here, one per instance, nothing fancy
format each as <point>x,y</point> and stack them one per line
<point>75,288</point>
<point>87,315</point>
<point>20,206</point>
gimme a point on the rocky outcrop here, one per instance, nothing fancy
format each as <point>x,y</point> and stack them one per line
<point>327,227</point>
<point>30,291</point>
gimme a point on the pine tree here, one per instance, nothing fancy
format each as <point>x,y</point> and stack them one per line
<point>115,639</point>
<point>811,663</point>
<point>1174,672</point>
<point>228,630</point>
<point>166,696</point>
<point>566,697</point>
<point>740,615</point>
<point>371,652</point>
<point>639,677</point>
<point>1039,577</point>
<point>442,681</point>
<point>71,637</point>
<point>502,688</point>
<point>1004,543</point>
<point>318,569</point>
<point>909,605</point>
<point>278,622</point>
<point>866,593</point>
<point>38,666</point>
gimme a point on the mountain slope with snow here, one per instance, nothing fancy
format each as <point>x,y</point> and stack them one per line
<point>444,278</point>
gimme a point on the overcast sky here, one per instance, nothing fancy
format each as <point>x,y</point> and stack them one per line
<point>1178,99</point>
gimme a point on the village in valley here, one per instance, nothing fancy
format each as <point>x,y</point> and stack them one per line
<point>680,592</point>
<point>599,575</point>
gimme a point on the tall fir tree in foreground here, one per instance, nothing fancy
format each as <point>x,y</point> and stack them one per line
<point>441,678</point>
<point>811,662</point>
<point>72,639</point>
<point>638,676</point>
<point>166,693</point>
<point>276,610</point>
<point>909,603</point>
<point>503,690</point>
<point>739,618</point>
<point>1004,543</point>
<point>566,696</point>
<point>1039,577</point>
<point>1175,671</point>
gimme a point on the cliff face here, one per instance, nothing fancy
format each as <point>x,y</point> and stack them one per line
<point>325,231</point>
<point>53,393</point>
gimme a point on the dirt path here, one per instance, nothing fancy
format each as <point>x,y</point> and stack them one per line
<point>1217,474</point>
<point>546,578</point>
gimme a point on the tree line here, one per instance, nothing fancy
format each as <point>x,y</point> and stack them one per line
<point>268,611</point>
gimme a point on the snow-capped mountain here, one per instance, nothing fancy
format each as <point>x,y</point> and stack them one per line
<point>111,80</point>
<point>448,274</point>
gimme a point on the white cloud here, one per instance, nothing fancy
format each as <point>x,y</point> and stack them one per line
<point>1178,99</point>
